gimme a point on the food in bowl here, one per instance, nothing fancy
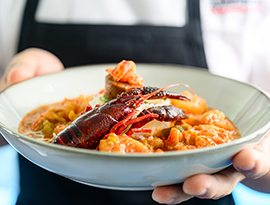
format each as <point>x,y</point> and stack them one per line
<point>135,119</point>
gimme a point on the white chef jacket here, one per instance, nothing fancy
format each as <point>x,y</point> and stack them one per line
<point>235,32</point>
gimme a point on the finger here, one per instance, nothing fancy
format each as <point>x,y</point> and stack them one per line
<point>19,72</point>
<point>47,62</point>
<point>213,186</point>
<point>254,162</point>
<point>29,63</point>
<point>170,194</point>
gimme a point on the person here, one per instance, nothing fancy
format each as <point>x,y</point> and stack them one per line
<point>46,46</point>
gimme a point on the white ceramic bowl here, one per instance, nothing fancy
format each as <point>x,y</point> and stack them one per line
<point>246,105</point>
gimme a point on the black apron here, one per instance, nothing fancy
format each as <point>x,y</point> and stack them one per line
<point>79,44</point>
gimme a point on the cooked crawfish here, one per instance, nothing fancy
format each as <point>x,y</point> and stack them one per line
<point>116,115</point>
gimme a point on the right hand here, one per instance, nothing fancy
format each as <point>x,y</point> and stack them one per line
<point>250,166</point>
<point>30,63</point>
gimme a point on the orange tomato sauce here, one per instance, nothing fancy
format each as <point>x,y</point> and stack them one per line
<point>46,121</point>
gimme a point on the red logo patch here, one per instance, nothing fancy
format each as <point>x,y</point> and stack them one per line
<point>225,6</point>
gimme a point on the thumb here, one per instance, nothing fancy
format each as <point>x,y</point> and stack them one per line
<point>19,72</point>
<point>29,63</point>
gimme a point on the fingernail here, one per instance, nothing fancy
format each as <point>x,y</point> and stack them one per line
<point>14,66</point>
<point>171,201</point>
<point>202,193</point>
<point>248,168</point>
<point>247,171</point>
<point>11,69</point>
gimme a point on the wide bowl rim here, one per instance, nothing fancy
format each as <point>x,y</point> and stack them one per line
<point>241,140</point>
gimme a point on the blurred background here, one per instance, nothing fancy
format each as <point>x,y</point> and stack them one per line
<point>9,188</point>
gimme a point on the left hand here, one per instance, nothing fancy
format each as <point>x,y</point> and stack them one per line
<point>249,164</point>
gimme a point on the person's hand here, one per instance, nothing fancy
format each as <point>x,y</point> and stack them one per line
<point>251,165</point>
<point>29,63</point>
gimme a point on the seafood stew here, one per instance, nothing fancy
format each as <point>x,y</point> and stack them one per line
<point>155,121</point>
